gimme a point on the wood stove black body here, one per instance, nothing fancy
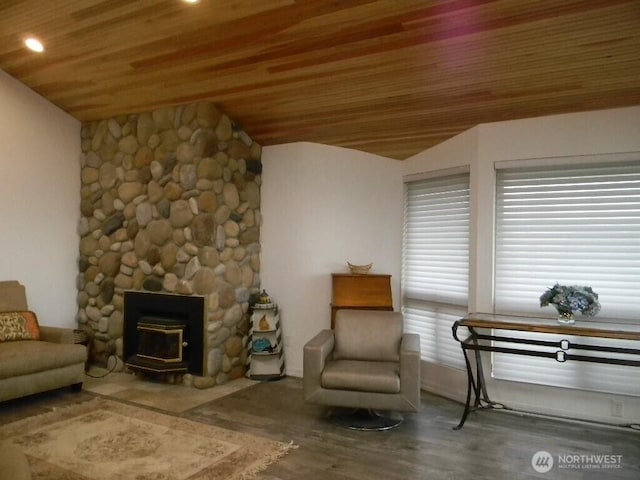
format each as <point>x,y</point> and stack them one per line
<point>163,333</point>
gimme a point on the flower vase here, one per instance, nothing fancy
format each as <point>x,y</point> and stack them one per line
<point>565,315</point>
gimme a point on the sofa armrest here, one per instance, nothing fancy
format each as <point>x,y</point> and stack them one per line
<point>316,351</point>
<point>56,334</point>
<point>410,368</point>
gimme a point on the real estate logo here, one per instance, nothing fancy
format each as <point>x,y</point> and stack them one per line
<point>542,461</point>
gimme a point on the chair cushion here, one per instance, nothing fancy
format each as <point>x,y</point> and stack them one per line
<point>363,376</point>
<point>367,335</point>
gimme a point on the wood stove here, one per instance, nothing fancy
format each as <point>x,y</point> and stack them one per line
<point>163,333</point>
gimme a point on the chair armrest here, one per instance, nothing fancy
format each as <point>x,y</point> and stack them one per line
<point>316,351</point>
<point>410,345</point>
<point>410,368</point>
<point>56,334</point>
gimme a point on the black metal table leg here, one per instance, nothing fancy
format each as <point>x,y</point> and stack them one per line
<point>475,383</point>
<point>470,386</point>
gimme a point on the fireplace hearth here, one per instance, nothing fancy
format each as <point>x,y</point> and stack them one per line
<point>163,333</point>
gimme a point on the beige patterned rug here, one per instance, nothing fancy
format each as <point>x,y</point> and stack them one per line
<point>102,439</point>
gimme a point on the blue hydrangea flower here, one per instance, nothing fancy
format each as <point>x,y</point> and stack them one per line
<point>572,298</point>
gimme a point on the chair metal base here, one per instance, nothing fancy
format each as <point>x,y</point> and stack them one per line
<point>364,419</point>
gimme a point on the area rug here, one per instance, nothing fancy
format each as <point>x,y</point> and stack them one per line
<point>101,439</point>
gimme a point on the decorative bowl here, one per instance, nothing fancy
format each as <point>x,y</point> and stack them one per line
<point>360,269</point>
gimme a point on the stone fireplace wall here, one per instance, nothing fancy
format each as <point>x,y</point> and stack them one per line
<point>170,203</point>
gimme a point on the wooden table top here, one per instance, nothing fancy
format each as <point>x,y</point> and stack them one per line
<point>602,328</point>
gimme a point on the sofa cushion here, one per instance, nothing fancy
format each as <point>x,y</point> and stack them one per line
<point>381,377</point>
<point>18,326</point>
<point>25,357</point>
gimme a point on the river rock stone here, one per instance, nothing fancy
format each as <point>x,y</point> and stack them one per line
<point>185,153</point>
<point>209,257</point>
<point>159,231</point>
<point>153,284</point>
<point>173,191</point>
<point>232,316</point>
<point>168,256</point>
<point>145,127</point>
<point>250,235</point>
<point>128,144</point>
<point>204,281</point>
<point>123,281</point>
<point>231,228</point>
<point>144,213</point>
<point>109,263</point>
<point>254,166</point>
<point>180,214</point>
<point>93,160</point>
<point>233,274</point>
<point>107,175</point>
<point>163,118</point>
<point>153,257</point>
<point>207,114</point>
<point>89,175</point>
<point>224,128</point>
<point>192,267</point>
<point>184,287</point>
<point>128,191</point>
<point>226,294</point>
<point>170,282</point>
<point>143,158</point>
<point>114,128</point>
<point>164,208</point>
<point>252,194</point>
<point>88,245</point>
<point>233,346</point>
<point>202,228</point>
<point>231,196</point>
<point>129,259</point>
<point>142,243</point>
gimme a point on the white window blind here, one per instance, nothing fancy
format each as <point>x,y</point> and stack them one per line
<point>435,269</point>
<point>576,225</point>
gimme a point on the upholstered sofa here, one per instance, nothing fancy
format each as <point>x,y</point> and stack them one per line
<point>34,358</point>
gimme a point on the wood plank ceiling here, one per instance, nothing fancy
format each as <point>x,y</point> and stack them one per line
<point>391,77</point>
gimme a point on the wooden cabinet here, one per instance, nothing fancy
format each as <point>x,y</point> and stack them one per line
<point>363,292</point>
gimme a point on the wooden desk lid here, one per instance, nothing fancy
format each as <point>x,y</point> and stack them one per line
<point>353,290</point>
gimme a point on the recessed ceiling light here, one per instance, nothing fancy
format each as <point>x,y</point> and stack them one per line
<point>34,44</point>
<point>191,1</point>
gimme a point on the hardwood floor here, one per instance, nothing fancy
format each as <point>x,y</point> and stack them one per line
<point>492,444</point>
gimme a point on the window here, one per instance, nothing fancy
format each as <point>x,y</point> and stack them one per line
<point>576,225</point>
<point>435,266</point>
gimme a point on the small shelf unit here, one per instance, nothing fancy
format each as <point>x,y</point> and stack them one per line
<point>266,353</point>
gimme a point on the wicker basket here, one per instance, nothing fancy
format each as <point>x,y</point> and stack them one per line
<point>360,269</point>
<point>80,336</point>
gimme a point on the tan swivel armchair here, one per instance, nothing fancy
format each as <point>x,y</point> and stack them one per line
<point>367,362</point>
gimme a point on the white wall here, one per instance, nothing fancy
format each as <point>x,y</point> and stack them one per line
<point>321,207</point>
<point>599,132</point>
<point>39,200</point>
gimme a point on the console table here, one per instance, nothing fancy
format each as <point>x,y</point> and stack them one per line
<point>566,350</point>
